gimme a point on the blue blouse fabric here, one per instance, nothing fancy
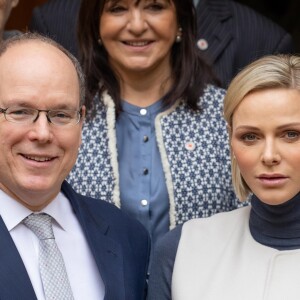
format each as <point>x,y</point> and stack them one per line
<point>143,190</point>
<point>194,151</point>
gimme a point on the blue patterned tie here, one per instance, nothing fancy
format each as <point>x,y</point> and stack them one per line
<point>52,268</point>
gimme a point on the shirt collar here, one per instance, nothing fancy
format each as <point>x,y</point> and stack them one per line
<point>13,212</point>
<point>58,209</point>
<point>153,109</point>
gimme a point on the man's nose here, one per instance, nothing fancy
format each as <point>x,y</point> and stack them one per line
<point>41,129</point>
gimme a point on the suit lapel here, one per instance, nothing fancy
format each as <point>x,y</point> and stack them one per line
<point>14,280</point>
<point>212,26</point>
<point>107,253</point>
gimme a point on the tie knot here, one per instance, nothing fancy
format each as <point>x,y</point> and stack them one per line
<point>40,225</point>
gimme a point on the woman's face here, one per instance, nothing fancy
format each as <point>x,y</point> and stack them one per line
<point>139,37</point>
<point>266,143</point>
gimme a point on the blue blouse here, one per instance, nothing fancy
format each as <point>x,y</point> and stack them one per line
<point>143,190</point>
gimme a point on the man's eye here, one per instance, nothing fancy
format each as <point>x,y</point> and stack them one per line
<point>61,115</point>
<point>20,112</point>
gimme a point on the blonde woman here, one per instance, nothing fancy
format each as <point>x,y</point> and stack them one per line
<point>253,252</point>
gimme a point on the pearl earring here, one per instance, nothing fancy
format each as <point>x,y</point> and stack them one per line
<point>99,42</point>
<point>179,35</point>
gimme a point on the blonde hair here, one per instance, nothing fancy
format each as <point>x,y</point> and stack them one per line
<point>269,72</point>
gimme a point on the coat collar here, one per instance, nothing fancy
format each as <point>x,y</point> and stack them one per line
<point>107,252</point>
<point>14,280</point>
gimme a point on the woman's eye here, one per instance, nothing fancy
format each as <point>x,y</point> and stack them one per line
<point>117,9</point>
<point>292,135</point>
<point>249,137</point>
<point>154,7</point>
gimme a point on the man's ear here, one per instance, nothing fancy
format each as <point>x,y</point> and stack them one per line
<point>83,113</point>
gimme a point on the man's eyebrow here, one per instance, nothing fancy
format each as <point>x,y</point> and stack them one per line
<point>26,104</point>
<point>64,106</point>
<point>16,102</point>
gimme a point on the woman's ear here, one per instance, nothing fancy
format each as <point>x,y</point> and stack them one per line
<point>229,129</point>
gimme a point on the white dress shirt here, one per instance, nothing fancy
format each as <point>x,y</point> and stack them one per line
<point>83,274</point>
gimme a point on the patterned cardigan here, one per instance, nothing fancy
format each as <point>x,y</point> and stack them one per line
<point>194,150</point>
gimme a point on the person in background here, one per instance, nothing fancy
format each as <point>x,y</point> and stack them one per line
<point>253,252</point>
<point>154,141</point>
<point>229,36</point>
<point>5,8</point>
<point>58,20</point>
<point>55,243</point>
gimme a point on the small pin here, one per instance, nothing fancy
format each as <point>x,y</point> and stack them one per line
<point>202,44</point>
<point>190,146</point>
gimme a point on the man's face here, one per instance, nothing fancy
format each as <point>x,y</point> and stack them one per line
<point>35,158</point>
<point>5,9</point>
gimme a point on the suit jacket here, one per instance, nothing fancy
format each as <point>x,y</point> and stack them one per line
<point>120,246</point>
<point>233,34</point>
<point>58,20</point>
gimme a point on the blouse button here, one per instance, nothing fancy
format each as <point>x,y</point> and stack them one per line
<point>145,171</point>
<point>145,139</point>
<point>144,202</point>
<point>143,111</point>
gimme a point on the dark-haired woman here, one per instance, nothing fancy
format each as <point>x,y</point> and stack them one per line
<point>154,142</point>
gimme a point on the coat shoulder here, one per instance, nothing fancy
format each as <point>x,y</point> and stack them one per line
<point>106,212</point>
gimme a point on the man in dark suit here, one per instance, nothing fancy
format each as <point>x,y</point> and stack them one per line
<point>55,243</point>
<point>230,35</point>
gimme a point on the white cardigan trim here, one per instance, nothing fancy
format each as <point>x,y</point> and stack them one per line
<point>112,144</point>
<point>165,162</point>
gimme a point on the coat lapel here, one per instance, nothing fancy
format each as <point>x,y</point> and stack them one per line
<point>212,17</point>
<point>14,280</point>
<point>107,253</point>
